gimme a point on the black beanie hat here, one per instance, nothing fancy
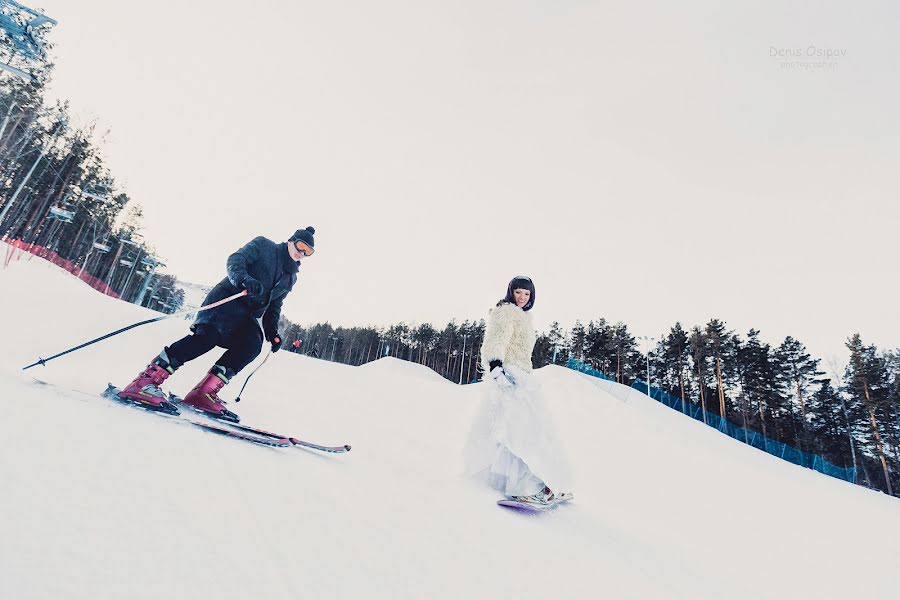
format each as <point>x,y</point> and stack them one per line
<point>305,236</point>
<point>520,282</point>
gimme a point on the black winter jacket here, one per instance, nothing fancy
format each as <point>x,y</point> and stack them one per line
<point>271,265</point>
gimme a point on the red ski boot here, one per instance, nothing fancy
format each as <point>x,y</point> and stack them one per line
<point>145,388</point>
<point>204,395</point>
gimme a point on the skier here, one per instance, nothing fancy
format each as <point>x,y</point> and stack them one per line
<point>267,271</point>
<point>295,347</point>
<point>511,445</point>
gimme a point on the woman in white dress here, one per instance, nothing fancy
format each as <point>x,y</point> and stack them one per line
<point>512,446</point>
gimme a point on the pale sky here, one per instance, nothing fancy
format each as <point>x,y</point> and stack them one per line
<point>643,162</point>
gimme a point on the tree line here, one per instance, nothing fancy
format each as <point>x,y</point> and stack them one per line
<point>57,196</point>
<point>849,414</point>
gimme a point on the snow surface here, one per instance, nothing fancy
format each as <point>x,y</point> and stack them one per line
<point>99,500</point>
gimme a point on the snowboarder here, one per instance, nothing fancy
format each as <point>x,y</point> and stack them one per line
<point>512,446</point>
<point>295,347</point>
<point>268,271</point>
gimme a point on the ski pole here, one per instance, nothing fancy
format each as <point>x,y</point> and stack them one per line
<point>44,361</point>
<point>238,399</point>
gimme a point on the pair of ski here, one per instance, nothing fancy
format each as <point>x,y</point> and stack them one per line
<point>221,426</point>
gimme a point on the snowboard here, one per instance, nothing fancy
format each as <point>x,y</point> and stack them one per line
<point>534,507</point>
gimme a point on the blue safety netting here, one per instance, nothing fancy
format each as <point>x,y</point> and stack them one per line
<point>577,365</point>
<point>748,436</point>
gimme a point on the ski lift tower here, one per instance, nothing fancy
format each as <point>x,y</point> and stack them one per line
<point>21,30</point>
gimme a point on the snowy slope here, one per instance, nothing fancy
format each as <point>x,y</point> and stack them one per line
<point>100,501</point>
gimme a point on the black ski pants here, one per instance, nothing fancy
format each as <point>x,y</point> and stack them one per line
<point>242,346</point>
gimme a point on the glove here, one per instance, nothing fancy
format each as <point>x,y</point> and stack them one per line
<point>276,343</point>
<point>500,377</point>
<point>254,288</point>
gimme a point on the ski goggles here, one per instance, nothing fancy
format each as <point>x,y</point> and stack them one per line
<point>303,247</point>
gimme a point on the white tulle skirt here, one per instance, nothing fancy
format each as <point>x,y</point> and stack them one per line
<point>513,446</point>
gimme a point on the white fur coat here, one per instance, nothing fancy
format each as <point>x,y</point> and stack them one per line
<point>512,445</point>
<point>509,337</point>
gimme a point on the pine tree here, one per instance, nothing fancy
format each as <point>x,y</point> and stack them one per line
<point>628,358</point>
<point>425,337</point>
<point>892,360</point>
<point>866,382</point>
<point>598,347</point>
<point>801,373</point>
<point>557,340</point>
<point>543,351</point>
<point>447,341</point>
<point>477,339</point>
<point>758,375</point>
<point>698,349</point>
<point>672,359</point>
<point>577,338</point>
<point>828,424</point>
<point>720,346</point>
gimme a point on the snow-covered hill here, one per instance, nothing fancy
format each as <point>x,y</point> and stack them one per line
<point>102,501</point>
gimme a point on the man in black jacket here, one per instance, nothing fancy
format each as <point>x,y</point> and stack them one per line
<point>268,271</point>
